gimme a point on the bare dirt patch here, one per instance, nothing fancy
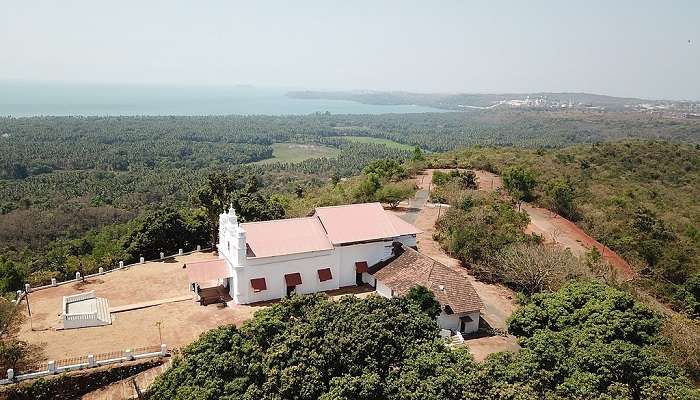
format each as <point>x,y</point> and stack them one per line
<point>556,229</point>
<point>181,322</point>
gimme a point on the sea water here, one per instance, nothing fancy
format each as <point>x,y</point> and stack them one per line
<point>58,99</point>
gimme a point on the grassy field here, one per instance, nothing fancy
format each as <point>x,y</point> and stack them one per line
<point>295,152</point>
<point>386,142</point>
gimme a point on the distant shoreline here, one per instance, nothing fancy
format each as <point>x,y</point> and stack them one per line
<point>37,100</point>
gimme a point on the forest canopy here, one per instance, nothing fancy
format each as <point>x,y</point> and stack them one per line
<point>585,341</point>
<point>640,198</point>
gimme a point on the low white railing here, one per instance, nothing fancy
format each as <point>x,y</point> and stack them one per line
<point>28,289</point>
<point>52,368</point>
<point>80,297</point>
<point>81,316</point>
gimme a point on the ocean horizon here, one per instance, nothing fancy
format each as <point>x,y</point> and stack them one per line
<point>63,99</point>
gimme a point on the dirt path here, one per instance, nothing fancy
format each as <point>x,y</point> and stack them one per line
<point>498,300</point>
<point>557,229</point>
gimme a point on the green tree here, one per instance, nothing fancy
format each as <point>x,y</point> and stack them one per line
<point>214,196</point>
<point>388,169</point>
<point>163,230</point>
<point>417,154</point>
<point>519,182</point>
<point>477,234</point>
<point>650,234</point>
<point>335,178</point>
<point>586,341</point>
<point>394,193</point>
<point>12,276</point>
<point>366,190</point>
<point>299,191</point>
<point>561,197</point>
<point>467,179</point>
<point>305,347</point>
<point>252,205</point>
<point>589,339</point>
<point>440,178</point>
<point>425,299</point>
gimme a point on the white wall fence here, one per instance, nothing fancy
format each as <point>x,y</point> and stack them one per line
<point>79,363</point>
<point>80,317</point>
<point>79,297</point>
<point>101,271</point>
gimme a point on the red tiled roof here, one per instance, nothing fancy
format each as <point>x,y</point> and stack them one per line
<point>450,285</point>
<point>361,222</point>
<point>205,271</point>
<point>285,236</point>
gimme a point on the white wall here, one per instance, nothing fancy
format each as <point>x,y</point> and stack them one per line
<point>341,260</point>
<point>370,252</point>
<point>452,322</point>
<point>383,289</point>
<point>273,270</point>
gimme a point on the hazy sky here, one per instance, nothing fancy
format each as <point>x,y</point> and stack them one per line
<point>625,48</point>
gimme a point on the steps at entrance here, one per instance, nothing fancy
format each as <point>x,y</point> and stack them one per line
<point>103,313</point>
<point>456,339</point>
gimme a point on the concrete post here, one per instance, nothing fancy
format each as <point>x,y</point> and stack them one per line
<point>10,374</point>
<point>77,275</point>
<point>27,288</point>
<point>101,271</point>
<point>91,361</point>
<point>199,247</point>
<point>163,350</point>
<point>53,282</point>
<point>179,252</point>
<point>142,260</point>
<point>51,366</point>
<point>121,264</point>
<point>128,354</point>
<point>162,255</point>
